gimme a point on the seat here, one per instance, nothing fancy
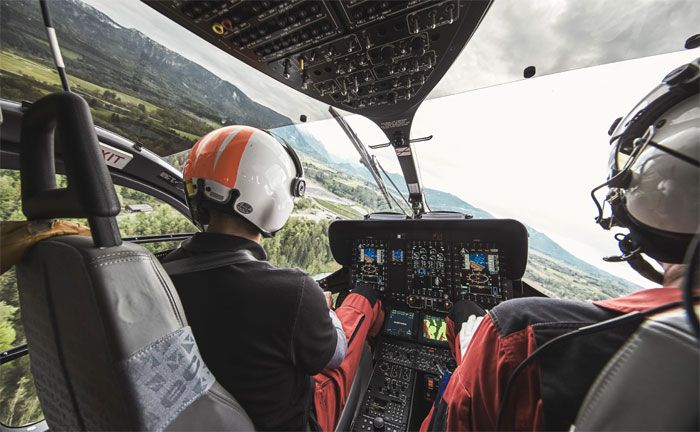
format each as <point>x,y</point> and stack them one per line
<point>652,382</point>
<point>109,344</point>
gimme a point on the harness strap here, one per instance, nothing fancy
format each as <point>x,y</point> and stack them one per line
<point>208,261</point>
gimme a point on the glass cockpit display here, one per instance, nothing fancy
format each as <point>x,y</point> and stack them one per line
<point>399,323</point>
<point>429,262</point>
<point>479,271</point>
<point>434,329</point>
<point>370,263</point>
<point>430,275</point>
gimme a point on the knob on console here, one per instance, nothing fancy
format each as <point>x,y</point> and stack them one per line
<point>447,305</point>
<point>417,46</point>
<point>378,423</point>
<point>387,54</point>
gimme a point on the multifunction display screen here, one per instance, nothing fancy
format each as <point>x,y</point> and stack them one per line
<point>434,329</point>
<point>431,274</point>
<point>397,256</point>
<point>371,259</point>
<point>399,323</point>
<point>479,271</point>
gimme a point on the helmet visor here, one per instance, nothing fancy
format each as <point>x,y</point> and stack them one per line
<point>625,156</point>
<point>625,148</point>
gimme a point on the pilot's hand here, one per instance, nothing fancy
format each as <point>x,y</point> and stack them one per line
<point>466,316</point>
<point>462,310</point>
<point>466,333</point>
<point>329,299</point>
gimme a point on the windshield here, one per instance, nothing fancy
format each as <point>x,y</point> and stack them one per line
<point>155,83</point>
<point>561,35</point>
<point>525,149</point>
<point>530,150</point>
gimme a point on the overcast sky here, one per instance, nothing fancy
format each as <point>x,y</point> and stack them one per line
<point>559,35</point>
<point>531,150</point>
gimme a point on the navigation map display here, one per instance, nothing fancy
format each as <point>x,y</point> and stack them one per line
<point>399,323</point>
<point>371,260</point>
<point>434,329</point>
<point>479,273</point>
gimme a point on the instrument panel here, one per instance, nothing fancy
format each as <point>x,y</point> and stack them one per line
<point>431,274</point>
<point>428,265</point>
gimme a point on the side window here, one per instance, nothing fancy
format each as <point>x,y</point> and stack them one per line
<point>144,215</point>
<point>141,215</point>
<point>19,405</point>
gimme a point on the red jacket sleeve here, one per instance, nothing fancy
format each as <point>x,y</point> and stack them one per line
<point>473,395</point>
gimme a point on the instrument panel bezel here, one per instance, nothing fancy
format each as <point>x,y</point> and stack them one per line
<point>510,235</point>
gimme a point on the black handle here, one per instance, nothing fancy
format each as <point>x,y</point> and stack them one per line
<point>64,118</point>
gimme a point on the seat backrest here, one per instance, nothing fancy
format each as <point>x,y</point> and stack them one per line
<point>652,382</point>
<point>108,341</point>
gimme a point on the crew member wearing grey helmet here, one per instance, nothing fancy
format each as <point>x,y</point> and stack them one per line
<point>654,194</point>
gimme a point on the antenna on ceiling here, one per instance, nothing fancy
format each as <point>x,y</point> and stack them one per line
<point>55,49</point>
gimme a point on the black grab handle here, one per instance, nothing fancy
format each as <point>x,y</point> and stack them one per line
<point>65,118</point>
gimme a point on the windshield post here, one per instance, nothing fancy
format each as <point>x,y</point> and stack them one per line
<point>365,158</point>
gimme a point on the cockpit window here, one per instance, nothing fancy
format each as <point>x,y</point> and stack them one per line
<point>501,146</point>
<point>154,83</point>
<point>569,35</point>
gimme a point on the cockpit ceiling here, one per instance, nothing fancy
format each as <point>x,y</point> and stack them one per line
<point>376,58</point>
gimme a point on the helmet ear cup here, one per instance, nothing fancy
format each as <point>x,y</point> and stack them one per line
<point>298,187</point>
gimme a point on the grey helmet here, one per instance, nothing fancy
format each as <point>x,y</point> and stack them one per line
<point>654,181</point>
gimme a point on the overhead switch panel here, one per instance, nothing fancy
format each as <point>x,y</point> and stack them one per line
<point>365,56</point>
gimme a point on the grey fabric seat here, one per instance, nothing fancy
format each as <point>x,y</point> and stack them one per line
<point>109,344</point>
<point>651,384</point>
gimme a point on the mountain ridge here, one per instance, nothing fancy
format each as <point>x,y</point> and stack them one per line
<point>126,58</point>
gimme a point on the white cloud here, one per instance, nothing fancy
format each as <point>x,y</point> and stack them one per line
<point>560,35</point>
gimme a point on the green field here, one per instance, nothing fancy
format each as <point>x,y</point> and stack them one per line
<point>339,209</point>
<point>185,134</point>
<point>11,62</point>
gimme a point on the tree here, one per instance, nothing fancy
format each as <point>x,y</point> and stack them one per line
<point>7,331</point>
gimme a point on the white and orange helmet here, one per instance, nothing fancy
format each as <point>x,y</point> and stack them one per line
<point>246,171</point>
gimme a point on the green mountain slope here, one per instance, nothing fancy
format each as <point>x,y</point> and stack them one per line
<point>101,55</point>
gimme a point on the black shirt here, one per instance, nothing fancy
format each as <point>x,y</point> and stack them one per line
<point>262,331</point>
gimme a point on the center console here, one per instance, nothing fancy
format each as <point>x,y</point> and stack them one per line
<point>410,359</point>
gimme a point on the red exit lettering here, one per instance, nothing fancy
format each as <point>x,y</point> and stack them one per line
<point>111,157</point>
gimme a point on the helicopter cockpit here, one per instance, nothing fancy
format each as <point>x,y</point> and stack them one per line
<point>348,64</point>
